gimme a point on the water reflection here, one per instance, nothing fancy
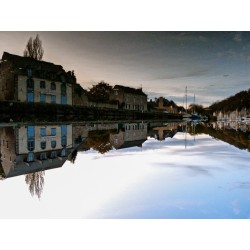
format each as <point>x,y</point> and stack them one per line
<point>31,149</point>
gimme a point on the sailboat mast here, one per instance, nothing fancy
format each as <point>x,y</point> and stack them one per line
<point>186,99</point>
<point>194,104</point>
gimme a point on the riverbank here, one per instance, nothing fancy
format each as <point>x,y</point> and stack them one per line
<point>38,112</point>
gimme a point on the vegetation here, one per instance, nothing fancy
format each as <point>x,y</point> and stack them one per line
<point>99,140</point>
<point>34,48</point>
<point>100,92</point>
<point>238,101</point>
<point>199,109</point>
<point>237,138</point>
<point>35,181</point>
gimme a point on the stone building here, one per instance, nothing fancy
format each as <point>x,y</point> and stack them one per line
<point>130,135</point>
<point>165,105</point>
<point>80,97</point>
<point>129,98</point>
<point>29,149</point>
<point>24,79</point>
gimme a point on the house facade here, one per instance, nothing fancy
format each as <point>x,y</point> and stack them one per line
<point>168,106</point>
<point>129,98</point>
<point>31,148</point>
<point>130,135</point>
<point>24,79</point>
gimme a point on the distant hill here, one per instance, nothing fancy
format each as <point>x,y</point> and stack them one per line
<point>238,101</point>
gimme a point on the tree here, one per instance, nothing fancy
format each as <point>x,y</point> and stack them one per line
<point>99,141</point>
<point>35,181</point>
<point>34,48</point>
<point>100,92</point>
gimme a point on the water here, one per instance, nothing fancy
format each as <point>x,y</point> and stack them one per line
<point>130,170</point>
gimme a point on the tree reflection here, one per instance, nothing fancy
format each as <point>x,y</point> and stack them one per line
<point>99,140</point>
<point>35,181</point>
<point>72,156</point>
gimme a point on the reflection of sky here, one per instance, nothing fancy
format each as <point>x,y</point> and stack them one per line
<point>163,179</point>
<point>214,65</point>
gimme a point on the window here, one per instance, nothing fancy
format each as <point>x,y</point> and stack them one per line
<point>42,98</point>
<point>30,157</point>
<point>63,99</point>
<point>53,86</point>
<point>30,97</point>
<point>64,135</point>
<point>42,132</point>
<point>30,84</point>
<point>29,72</point>
<point>42,84</point>
<point>53,131</point>
<point>43,144</point>
<point>30,131</point>
<point>63,89</point>
<point>31,144</point>
<point>63,152</point>
<point>43,156</point>
<point>53,154</point>
<point>53,99</point>
<point>62,78</point>
<point>53,144</point>
<point>64,141</point>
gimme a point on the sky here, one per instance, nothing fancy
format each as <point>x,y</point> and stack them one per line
<point>163,179</point>
<point>213,65</point>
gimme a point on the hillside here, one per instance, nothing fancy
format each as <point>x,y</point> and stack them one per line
<point>239,101</point>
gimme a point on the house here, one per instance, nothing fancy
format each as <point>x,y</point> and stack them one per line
<point>162,132</point>
<point>31,148</point>
<point>165,105</point>
<point>129,98</point>
<point>130,135</point>
<point>24,79</point>
<point>80,97</point>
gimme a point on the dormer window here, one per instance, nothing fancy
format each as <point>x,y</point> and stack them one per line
<point>63,89</point>
<point>62,78</point>
<point>29,72</point>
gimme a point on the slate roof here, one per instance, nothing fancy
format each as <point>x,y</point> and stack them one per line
<point>130,90</point>
<point>22,63</point>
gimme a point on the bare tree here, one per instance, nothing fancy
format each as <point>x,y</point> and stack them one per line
<point>34,48</point>
<point>35,181</point>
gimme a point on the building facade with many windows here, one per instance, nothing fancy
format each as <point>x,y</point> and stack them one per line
<point>25,79</point>
<point>30,148</point>
<point>129,98</point>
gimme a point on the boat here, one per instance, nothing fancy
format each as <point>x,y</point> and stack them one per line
<point>190,117</point>
<point>245,118</point>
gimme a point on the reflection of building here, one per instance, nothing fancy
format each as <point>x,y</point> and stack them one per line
<point>236,115</point>
<point>129,98</point>
<point>30,148</point>
<point>164,131</point>
<point>25,79</point>
<point>131,135</point>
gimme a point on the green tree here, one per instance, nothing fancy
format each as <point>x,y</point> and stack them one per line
<point>196,108</point>
<point>34,48</point>
<point>100,92</point>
